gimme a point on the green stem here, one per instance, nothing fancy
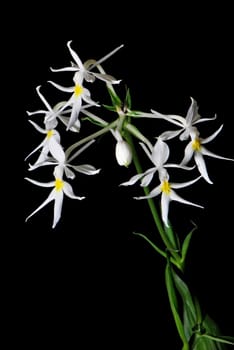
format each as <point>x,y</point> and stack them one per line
<point>90,137</point>
<point>152,207</point>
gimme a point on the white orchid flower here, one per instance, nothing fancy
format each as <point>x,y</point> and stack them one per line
<point>51,143</point>
<point>51,114</point>
<point>60,187</point>
<point>196,149</point>
<point>84,70</point>
<point>65,164</point>
<point>158,154</point>
<point>186,125</point>
<point>168,194</point>
<point>79,93</point>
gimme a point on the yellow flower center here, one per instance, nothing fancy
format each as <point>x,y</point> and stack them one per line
<point>50,133</point>
<point>59,184</point>
<point>165,187</point>
<point>78,90</point>
<point>196,144</point>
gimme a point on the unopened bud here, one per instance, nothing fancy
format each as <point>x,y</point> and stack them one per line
<point>123,153</point>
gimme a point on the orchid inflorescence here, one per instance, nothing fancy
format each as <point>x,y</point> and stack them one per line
<point>78,106</point>
<point>79,103</point>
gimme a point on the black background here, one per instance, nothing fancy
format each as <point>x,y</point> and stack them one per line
<point>90,281</point>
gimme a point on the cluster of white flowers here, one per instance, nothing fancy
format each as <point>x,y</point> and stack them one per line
<point>79,102</point>
<point>51,149</point>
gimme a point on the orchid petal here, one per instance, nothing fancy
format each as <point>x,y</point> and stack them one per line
<point>75,56</point>
<point>62,88</point>
<point>41,184</point>
<point>165,200</point>
<point>107,78</point>
<point>188,153</point>
<point>75,113</point>
<point>106,57</point>
<point>56,150</point>
<point>213,136</point>
<point>37,148</point>
<point>152,194</point>
<point>43,98</point>
<point>160,153</point>
<point>201,165</point>
<point>49,199</point>
<point>65,69</point>
<point>148,178</point>
<point>147,151</point>
<point>39,111</point>
<point>174,197</point>
<point>170,134</point>
<point>69,173</point>
<point>172,118</point>
<point>205,120</point>
<point>86,169</point>
<point>58,203</point>
<point>205,152</point>
<point>38,128</point>
<point>69,191</point>
<point>184,184</point>
<point>132,180</point>
<point>192,112</point>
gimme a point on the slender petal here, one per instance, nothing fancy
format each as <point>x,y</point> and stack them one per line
<point>39,111</point>
<point>160,153</point>
<point>35,149</point>
<point>86,169</point>
<point>69,191</point>
<point>62,88</point>
<point>165,200</point>
<point>58,203</point>
<point>56,150</point>
<point>38,128</point>
<point>41,184</point>
<point>201,165</point>
<point>75,56</point>
<point>155,192</point>
<point>213,136</point>
<point>192,112</point>
<point>107,78</point>
<point>170,134</point>
<point>188,153</point>
<point>147,178</point>
<point>205,152</point>
<point>69,173</point>
<point>75,113</point>
<point>174,197</point>
<point>48,200</point>
<point>184,184</point>
<point>43,99</point>
<point>106,57</point>
<point>172,118</point>
<point>133,180</point>
<point>65,69</point>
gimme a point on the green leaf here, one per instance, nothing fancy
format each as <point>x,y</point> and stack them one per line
<point>186,243</point>
<point>210,337</point>
<point>110,108</point>
<point>151,243</point>
<point>189,310</point>
<point>172,236</point>
<point>174,305</point>
<point>128,100</point>
<point>116,101</point>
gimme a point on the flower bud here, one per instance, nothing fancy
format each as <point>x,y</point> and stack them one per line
<point>123,153</point>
